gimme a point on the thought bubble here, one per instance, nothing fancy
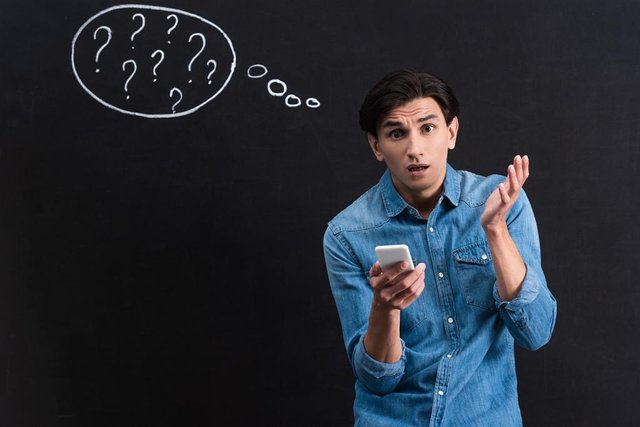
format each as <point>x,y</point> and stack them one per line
<point>278,88</point>
<point>140,59</point>
<point>143,79</point>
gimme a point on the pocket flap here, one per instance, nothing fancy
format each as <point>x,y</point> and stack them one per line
<point>475,253</point>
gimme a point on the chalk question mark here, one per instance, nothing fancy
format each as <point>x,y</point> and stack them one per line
<point>135,68</point>
<point>158,63</point>
<point>204,43</point>
<point>133,18</point>
<point>215,65</point>
<point>175,89</point>
<point>174,25</point>
<point>95,34</point>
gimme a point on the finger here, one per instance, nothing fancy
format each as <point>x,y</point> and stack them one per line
<point>504,194</point>
<point>402,282</point>
<point>517,163</point>
<point>525,167</point>
<point>377,278</point>
<point>396,269</point>
<point>514,183</point>
<point>375,270</point>
<point>410,295</point>
<point>506,181</point>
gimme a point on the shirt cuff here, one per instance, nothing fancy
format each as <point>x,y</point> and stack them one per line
<point>376,369</point>
<point>528,292</point>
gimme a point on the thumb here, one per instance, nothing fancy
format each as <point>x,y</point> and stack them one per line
<point>375,270</point>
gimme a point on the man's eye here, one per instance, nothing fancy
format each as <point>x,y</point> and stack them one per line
<point>429,128</point>
<point>396,134</point>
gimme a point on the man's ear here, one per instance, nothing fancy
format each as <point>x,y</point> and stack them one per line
<point>452,128</point>
<point>373,142</point>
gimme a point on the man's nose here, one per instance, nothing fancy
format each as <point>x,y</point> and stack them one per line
<point>414,146</point>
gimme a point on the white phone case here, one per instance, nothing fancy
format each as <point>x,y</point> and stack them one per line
<point>388,255</point>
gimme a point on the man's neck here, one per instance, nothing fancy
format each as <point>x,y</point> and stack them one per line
<point>424,203</point>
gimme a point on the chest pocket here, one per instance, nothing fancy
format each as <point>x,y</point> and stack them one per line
<point>476,274</point>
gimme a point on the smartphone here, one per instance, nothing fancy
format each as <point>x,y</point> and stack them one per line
<point>388,255</point>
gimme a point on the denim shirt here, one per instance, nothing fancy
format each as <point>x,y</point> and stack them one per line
<point>457,366</point>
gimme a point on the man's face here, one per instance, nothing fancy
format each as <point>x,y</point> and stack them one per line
<point>413,140</point>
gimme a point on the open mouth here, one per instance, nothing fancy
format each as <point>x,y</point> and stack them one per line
<point>417,168</point>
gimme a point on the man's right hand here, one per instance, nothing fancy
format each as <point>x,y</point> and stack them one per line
<point>393,291</point>
<point>397,287</point>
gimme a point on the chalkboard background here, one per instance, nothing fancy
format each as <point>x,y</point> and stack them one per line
<point>169,271</point>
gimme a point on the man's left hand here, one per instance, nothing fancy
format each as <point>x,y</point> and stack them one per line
<point>505,195</point>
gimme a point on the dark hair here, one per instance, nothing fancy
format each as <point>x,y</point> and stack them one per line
<point>401,86</point>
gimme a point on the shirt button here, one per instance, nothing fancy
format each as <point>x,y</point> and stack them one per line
<point>431,229</point>
<point>440,275</point>
<point>440,392</point>
<point>449,356</point>
<point>484,256</point>
<point>450,320</point>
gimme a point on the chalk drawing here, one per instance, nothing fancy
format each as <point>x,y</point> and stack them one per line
<point>312,103</point>
<point>175,24</point>
<point>292,101</point>
<point>133,72</point>
<point>133,18</point>
<point>189,37</point>
<point>153,55</point>
<point>204,44</point>
<point>95,33</point>
<point>259,74</point>
<point>187,32</point>
<point>215,65</point>
<point>171,92</point>
<point>257,71</point>
<point>273,82</point>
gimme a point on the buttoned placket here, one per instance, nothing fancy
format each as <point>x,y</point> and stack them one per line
<point>445,297</point>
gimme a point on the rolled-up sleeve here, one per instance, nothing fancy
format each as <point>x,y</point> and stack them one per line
<point>379,377</point>
<point>353,296</point>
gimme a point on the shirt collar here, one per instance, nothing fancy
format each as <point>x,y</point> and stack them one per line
<point>394,203</point>
<point>452,185</point>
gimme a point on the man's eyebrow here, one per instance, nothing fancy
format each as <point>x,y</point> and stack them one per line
<point>394,123</point>
<point>391,123</point>
<point>427,118</point>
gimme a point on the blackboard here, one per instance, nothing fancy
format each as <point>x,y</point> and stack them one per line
<point>161,264</point>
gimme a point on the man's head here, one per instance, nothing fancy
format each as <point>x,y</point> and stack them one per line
<point>398,88</point>
<point>411,123</point>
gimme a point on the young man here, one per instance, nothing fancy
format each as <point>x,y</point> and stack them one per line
<point>434,346</point>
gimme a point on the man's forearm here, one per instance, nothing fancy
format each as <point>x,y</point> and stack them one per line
<point>509,266</point>
<point>382,340</point>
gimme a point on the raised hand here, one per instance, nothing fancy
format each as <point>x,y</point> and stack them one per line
<point>505,195</point>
